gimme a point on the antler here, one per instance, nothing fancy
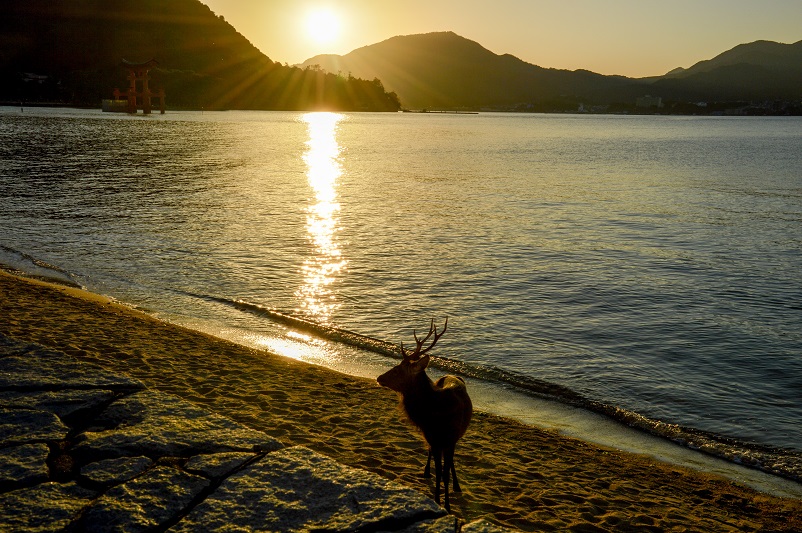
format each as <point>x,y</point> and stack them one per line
<point>418,351</point>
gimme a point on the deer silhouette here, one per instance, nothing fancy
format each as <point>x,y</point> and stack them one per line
<point>440,410</point>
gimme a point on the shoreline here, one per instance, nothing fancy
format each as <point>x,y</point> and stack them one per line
<point>533,403</point>
<point>632,111</point>
<point>756,466</point>
<point>514,474</point>
<point>777,472</point>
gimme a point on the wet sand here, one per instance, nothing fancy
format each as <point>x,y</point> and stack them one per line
<point>512,474</point>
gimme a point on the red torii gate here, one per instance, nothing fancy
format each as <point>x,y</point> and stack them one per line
<point>138,72</point>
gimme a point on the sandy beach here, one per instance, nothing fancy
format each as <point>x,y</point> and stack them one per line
<point>511,474</point>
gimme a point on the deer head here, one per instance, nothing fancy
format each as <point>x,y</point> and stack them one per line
<point>403,375</point>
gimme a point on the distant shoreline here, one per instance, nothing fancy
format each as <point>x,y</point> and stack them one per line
<point>721,111</point>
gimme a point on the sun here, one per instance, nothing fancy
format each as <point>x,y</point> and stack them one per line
<point>323,26</point>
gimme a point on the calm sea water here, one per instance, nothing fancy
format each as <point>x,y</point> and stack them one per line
<point>650,263</point>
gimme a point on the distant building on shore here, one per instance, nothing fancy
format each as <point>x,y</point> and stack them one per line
<point>115,106</point>
<point>649,101</point>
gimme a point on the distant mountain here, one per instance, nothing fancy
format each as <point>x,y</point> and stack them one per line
<point>766,54</point>
<point>70,51</point>
<point>444,70</point>
<point>762,70</point>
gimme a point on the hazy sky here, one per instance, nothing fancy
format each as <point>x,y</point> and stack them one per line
<point>629,37</point>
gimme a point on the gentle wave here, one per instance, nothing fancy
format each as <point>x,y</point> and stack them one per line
<point>18,262</point>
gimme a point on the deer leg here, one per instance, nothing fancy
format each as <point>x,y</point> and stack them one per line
<point>427,473</point>
<point>448,466</point>
<point>438,471</point>
<point>454,474</point>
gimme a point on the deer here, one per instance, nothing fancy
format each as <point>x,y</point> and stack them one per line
<point>440,410</point>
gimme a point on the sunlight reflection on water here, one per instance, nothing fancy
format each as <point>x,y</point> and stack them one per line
<point>323,170</point>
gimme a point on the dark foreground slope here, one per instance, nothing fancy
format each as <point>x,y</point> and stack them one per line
<point>70,52</point>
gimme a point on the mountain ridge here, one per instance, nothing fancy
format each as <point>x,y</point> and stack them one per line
<point>763,52</point>
<point>421,68</point>
<point>760,70</point>
<point>445,70</point>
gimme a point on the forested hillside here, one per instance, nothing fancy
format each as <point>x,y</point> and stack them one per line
<point>70,51</point>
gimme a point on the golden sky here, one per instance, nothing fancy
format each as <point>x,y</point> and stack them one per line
<point>629,37</point>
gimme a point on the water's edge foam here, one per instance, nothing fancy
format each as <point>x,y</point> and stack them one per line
<point>23,264</point>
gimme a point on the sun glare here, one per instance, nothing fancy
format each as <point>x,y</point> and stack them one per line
<point>326,263</point>
<point>323,26</point>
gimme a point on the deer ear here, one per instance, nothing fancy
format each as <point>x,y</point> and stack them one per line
<point>423,362</point>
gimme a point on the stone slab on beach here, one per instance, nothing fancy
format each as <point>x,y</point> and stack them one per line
<point>154,424</point>
<point>110,472</point>
<point>296,489</point>
<point>64,403</point>
<point>148,501</point>
<point>98,452</point>
<point>24,465</point>
<point>217,465</point>
<point>48,507</point>
<point>25,425</point>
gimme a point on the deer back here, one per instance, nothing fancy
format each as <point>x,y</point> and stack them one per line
<point>440,410</point>
<point>455,402</point>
